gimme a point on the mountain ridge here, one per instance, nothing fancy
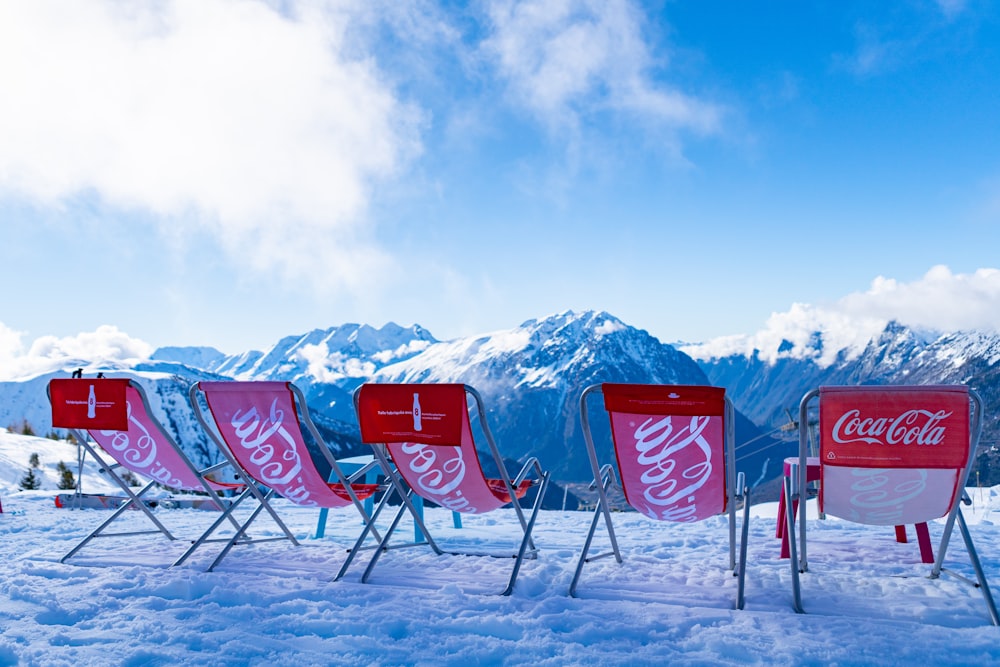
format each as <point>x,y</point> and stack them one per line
<point>531,377</point>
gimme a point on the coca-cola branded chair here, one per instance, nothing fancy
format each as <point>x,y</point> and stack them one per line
<point>673,457</point>
<point>889,456</point>
<point>422,436</point>
<point>257,427</point>
<point>114,415</point>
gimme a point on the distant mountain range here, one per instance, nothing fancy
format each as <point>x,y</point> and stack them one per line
<point>769,392</point>
<point>531,378</point>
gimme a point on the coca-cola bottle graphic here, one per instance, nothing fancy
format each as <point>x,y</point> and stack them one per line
<point>417,426</point>
<point>91,404</point>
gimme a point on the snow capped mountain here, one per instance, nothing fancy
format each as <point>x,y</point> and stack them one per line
<point>531,378</point>
<point>767,391</point>
<point>332,355</point>
<point>205,358</point>
<point>543,353</point>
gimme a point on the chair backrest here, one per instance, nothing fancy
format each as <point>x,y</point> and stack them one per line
<point>116,414</point>
<point>427,432</point>
<point>258,423</point>
<point>893,455</point>
<point>674,448</point>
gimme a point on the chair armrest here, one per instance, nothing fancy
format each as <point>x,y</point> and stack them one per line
<point>607,475</point>
<point>362,471</point>
<point>217,466</point>
<point>530,464</point>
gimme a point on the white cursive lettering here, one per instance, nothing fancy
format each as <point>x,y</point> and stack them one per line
<point>271,448</point>
<point>658,446</point>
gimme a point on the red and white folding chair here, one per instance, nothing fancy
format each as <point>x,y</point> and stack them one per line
<point>256,426</point>
<point>890,456</point>
<point>115,413</point>
<point>422,436</point>
<point>675,452</point>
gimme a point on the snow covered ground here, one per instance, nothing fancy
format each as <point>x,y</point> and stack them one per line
<point>670,602</point>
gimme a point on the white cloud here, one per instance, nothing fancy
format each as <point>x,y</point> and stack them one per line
<point>608,327</point>
<point>327,367</point>
<point>874,53</point>
<point>11,347</point>
<point>407,350</point>
<point>565,57</point>
<point>265,128</point>
<point>939,301</point>
<point>951,8</point>
<point>105,345</point>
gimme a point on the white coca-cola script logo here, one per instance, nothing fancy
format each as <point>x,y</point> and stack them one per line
<point>659,446</point>
<point>913,427</point>
<point>879,495</point>
<point>137,449</point>
<point>439,478</point>
<point>272,451</point>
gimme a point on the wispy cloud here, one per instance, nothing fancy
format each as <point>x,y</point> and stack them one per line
<point>907,34</point>
<point>940,301</point>
<point>263,127</point>
<point>874,52</point>
<point>951,8</point>
<point>564,59</point>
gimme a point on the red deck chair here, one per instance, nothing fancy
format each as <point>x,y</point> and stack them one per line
<point>422,436</point>
<point>257,428</point>
<point>675,454</point>
<point>892,455</point>
<point>115,414</point>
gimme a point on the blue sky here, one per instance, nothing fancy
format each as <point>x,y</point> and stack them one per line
<point>227,172</point>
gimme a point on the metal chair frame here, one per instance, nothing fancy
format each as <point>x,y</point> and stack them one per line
<point>607,477</point>
<point>796,489</point>
<point>381,450</point>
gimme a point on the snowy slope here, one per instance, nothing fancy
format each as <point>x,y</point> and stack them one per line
<point>669,603</point>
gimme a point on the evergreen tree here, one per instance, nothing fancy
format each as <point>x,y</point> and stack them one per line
<point>129,478</point>
<point>33,460</point>
<point>30,481</point>
<point>67,482</point>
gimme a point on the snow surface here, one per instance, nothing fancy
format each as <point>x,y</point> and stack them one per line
<point>119,603</point>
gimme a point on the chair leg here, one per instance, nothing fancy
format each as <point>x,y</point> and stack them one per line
<point>978,567</point>
<point>785,539</point>
<point>368,529</point>
<point>227,514</point>
<point>135,500</point>
<point>599,511</point>
<point>741,584</point>
<point>779,525</point>
<point>384,544</point>
<point>586,550</point>
<point>924,541</point>
<point>790,527</point>
<point>235,538</point>
<point>526,540</point>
